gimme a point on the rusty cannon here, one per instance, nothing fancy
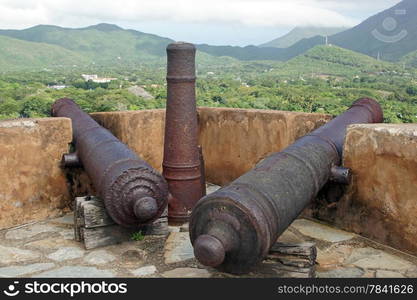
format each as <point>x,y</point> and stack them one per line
<point>133,192</point>
<point>182,164</point>
<point>234,228</point>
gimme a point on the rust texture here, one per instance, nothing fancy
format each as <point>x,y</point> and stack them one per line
<point>133,192</point>
<point>181,164</point>
<point>202,171</point>
<point>234,228</point>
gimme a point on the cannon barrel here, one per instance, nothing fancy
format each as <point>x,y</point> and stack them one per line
<point>182,163</point>
<point>133,192</point>
<point>234,228</point>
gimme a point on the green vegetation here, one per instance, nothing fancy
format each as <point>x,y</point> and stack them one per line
<point>323,80</point>
<point>410,59</point>
<point>99,45</point>
<point>21,55</point>
<point>137,236</point>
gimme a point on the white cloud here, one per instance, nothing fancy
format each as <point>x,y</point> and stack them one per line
<point>261,13</point>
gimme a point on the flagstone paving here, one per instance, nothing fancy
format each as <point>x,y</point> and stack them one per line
<point>48,249</point>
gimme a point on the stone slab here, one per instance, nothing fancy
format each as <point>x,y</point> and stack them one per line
<point>388,274</point>
<point>369,258</point>
<point>67,219</point>
<point>144,271</point>
<point>17,271</point>
<point>321,232</point>
<point>342,273</point>
<point>187,273</point>
<point>11,255</point>
<point>178,248</point>
<point>211,188</point>
<point>99,257</point>
<point>29,231</point>
<point>52,243</point>
<point>76,272</point>
<point>66,253</point>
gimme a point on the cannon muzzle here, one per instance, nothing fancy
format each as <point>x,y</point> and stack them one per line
<point>234,228</point>
<point>133,192</point>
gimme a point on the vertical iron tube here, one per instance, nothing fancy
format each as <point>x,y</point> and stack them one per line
<point>133,192</point>
<point>234,228</point>
<point>181,164</point>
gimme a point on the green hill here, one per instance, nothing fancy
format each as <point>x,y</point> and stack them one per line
<point>334,61</point>
<point>19,55</point>
<point>299,33</point>
<point>410,60</point>
<point>101,44</point>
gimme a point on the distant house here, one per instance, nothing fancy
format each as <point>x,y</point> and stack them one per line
<point>95,78</point>
<point>57,86</point>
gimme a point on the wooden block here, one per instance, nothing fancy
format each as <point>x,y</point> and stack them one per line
<point>95,214</point>
<point>95,228</point>
<point>306,251</point>
<point>293,260</point>
<point>78,220</point>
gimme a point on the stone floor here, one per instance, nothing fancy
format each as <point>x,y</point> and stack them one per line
<point>48,249</point>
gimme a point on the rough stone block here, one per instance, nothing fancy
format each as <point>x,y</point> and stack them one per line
<point>383,159</point>
<point>32,184</point>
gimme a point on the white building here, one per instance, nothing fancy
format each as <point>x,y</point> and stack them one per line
<point>95,78</point>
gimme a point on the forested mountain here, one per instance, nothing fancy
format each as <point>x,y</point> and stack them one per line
<point>17,55</point>
<point>102,43</point>
<point>299,33</point>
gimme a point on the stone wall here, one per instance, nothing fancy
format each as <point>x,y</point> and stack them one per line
<point>381,203</point>
<point>234,140</point>
<point>32,185</point>
<point>142,131</point>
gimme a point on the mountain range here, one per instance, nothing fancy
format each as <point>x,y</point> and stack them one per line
<point>390,35</point>
<point>299,33</point>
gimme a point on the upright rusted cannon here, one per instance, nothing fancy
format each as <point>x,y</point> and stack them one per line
<point>182,162</point>
<point>234,228</point>
<point>133,192</point>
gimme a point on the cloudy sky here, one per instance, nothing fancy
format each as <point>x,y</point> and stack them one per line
<point>217,22</point>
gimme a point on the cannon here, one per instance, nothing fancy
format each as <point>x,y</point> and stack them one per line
<point>234,228</point>
<point>133,192</point>
<point>182,164</point>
